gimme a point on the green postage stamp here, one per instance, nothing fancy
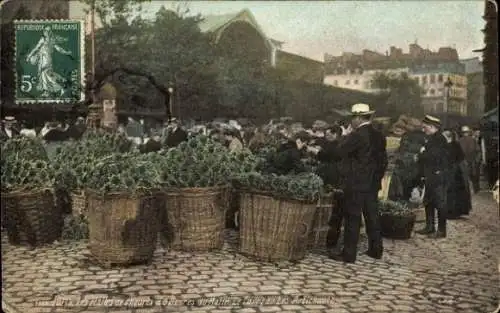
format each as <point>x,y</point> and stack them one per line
<point>49,61</point>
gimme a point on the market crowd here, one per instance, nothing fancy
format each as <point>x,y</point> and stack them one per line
<point>352,157</point>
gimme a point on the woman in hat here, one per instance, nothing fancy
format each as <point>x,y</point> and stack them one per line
<point>458,193</point>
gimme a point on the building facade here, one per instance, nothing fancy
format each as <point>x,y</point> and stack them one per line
<point>475,86</point>
<point>359,79</point>
<point>444,87</point>
<point>431,70</point>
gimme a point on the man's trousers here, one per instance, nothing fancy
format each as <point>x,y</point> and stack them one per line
<point>355,204</point>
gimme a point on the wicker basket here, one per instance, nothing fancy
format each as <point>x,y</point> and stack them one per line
<point>79,203</point>
<point>195,218</point>
<point>320,226</point>
<point>32,218</point>
<point>273,229</point>
<point>123,228</point>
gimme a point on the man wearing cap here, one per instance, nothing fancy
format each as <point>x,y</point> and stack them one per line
<point>363,149</point>
<point>8,129</point>
<point>433,160</point>
<point>173,135</point>
<point>472,153</point>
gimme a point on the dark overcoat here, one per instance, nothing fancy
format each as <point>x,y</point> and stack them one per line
<point>365,152</point>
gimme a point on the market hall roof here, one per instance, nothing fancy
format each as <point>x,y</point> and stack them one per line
<point>215,23</point>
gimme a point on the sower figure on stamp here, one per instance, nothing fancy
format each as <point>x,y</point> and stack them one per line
<point>365,152</point>
<point>433,160</point>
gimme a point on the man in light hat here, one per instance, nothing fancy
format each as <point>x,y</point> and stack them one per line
<point>433,160</point>
<point>362,150</point>
<point>8,129</point>
<point>472,153</point>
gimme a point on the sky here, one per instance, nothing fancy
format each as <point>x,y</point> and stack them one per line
<point>313,28</point>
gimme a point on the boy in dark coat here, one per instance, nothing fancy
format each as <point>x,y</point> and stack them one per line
<point>434,159</point>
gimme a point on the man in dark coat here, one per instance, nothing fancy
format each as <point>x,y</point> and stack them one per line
<point>8,128</point>
<point>329,171</point>
<point>289,155</point>
<point>174,134</point>
<point>472,153</point>
<point>364,150</point>
<point>328,156</point>
<point>434,159</point>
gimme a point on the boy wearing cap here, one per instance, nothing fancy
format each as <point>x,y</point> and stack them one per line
<point>433,160</point>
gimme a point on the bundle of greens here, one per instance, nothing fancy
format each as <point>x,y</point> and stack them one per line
<point>24,148</point>
<point>123,172</point>
<point>203,162</point>
<point>304,187</point>
<point>74,160</point>
<point>25,174</point>
<point>75,228</point>
<point>388,207</point>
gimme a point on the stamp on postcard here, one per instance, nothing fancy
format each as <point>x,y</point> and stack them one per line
<point>49,60</point>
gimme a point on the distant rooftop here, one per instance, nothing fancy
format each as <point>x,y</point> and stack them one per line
<point>472,65</point>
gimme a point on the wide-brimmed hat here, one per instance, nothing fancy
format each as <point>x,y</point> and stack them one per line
<point>10,119</point>
<point>361,109</point>
<point>432,120</point>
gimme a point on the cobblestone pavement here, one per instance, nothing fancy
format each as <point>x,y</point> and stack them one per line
<point>456,274</point>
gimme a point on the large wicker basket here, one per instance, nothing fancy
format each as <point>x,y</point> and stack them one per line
<point>320,226</point>
<point>195,218</point>
<point>273,229</point>
<point>31,217</point>
<point>123,227</point>
<point>79,202</point>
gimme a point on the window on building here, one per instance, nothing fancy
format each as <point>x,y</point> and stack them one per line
<point>347,82</point>
<point>417,79</point>
<point>335,83</point>
<point>433,79</point>
<point>432,91</point>
<point>424,80</point>
<point>440,78</point>
<point>356,82</point>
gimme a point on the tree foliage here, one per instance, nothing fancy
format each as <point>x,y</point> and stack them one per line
<point>403,93</point>
<point>153,54</point>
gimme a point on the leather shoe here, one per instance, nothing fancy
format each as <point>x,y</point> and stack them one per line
<point>340,257</point>
<point>438,234</point>
<point>426,231</point>
<point>374,255</point>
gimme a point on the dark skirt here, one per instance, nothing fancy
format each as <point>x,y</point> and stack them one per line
<point>458,196</point>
